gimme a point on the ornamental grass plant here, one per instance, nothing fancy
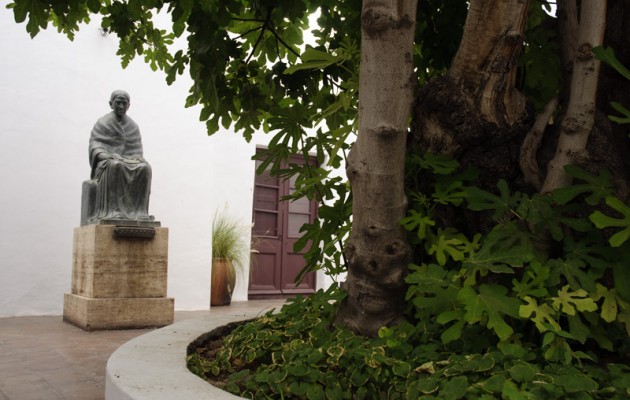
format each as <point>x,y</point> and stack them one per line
<point>230,241</point>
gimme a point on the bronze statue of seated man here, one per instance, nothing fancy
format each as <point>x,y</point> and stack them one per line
<point>120,182</point>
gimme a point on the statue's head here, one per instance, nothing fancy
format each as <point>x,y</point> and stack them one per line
<point>119,102</point>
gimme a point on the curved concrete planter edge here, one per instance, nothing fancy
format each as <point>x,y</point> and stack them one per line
<point>153,366</point>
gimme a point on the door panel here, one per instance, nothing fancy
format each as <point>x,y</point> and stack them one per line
<point>266,223</point>
<point>295,263</point>
<point>266,278</point>
<point>298,212</point>
<point>276,228</point>
<point>267,198</point>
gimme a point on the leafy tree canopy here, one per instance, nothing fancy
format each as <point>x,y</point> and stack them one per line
<point>247,58</point>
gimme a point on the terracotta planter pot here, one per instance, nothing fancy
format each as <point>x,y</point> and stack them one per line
<point>223,279</point>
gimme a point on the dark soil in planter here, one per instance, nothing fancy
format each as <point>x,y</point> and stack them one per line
<point>208,345</point>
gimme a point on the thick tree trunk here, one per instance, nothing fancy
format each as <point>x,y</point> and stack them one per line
<point>485,64</point>
<point>584,135</point>
<point>474,113</point>
<point>377,251</point>
<point>579,120</point>
<point>567,33</point>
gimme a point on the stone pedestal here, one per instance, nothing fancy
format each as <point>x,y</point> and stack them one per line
<point>118,282</point>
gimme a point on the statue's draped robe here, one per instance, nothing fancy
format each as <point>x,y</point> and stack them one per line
<point>123,185</point>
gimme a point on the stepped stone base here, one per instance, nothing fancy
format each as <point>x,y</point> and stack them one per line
<point>118,283</point>
<point>117,313</point>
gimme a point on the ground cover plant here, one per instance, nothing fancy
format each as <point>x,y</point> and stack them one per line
<point>493,315</point>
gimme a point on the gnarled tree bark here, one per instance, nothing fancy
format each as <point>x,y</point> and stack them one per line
<point>377,251</point>
<point>577,124</point>
<point>475,112</point>
<point>485,65</point>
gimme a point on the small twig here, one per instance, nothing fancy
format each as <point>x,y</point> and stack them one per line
<point>263,28</point>
<point>249,31</point>
<point>251,53</point>
<point>531,144</point>
<point>248,19</point>
<point>266,26</point>
<point>278,38</point>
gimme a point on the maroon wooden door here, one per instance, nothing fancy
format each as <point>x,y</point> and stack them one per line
<point>276,228</point>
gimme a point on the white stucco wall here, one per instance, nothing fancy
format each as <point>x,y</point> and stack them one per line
<point>53,90</point>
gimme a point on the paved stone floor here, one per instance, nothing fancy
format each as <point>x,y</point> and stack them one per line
<point>43,358</point>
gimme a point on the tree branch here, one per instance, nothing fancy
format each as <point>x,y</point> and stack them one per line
<point>263,28</point>
<point>531,144</point>
<point>251,53</point>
